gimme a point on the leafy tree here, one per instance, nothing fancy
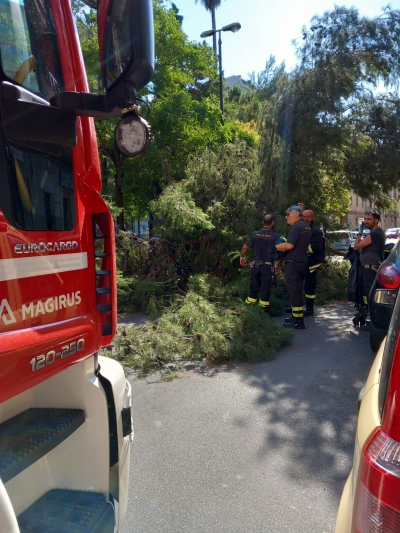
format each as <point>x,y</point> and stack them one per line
<point>375,169</point>
<point>215,208</point>
<point>320,124</point>
<point>178,17</point>
<point>86,22</point>
<point>184,118</point>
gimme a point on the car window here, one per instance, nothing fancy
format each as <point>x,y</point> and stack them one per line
<point>390,348</point>
<point>337,236</point>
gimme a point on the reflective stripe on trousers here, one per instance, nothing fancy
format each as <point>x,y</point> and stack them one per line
<point>297,312</point>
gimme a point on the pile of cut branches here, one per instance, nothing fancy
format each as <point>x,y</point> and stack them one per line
<point>196,328</point>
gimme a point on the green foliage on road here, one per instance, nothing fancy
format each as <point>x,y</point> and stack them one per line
<point>207,323</point>
<point>332,281</point>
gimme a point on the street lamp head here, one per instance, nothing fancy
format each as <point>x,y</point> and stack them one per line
<point>207,33</point>
<point>234,27</point>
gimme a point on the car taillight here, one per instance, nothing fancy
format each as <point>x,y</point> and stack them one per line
<point>346,236</point>
<point>377,503</point>
<point>388,277</point>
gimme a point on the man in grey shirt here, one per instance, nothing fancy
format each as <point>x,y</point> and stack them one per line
<point>371,255</point>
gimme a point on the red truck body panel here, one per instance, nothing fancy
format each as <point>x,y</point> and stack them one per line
<point>48,279</point>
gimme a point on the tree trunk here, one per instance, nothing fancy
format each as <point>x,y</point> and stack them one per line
<point>214,27</point>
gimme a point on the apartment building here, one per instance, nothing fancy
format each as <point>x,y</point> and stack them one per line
<point>358,207</point>
<point>237,81</point>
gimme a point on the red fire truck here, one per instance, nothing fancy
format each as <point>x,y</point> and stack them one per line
<point>65,412</point>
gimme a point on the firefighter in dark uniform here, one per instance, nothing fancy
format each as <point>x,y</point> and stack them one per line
<point>295,259</point>
<point>316,258</point>
<point>262,268</point>
<point>372,249</point>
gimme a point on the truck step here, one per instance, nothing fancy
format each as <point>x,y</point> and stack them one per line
<point>102,254</point>
<point>103,290</point>
<point>104,308</point>
<point>107,330</point>
<point>27,437</point>
<point>68,511</point>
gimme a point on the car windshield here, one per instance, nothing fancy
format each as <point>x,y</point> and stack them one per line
<point>28,46</point>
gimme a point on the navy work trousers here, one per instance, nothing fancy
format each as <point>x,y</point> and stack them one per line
<point>294,276</point>
<point>310,283</point>
<point>260,282</point>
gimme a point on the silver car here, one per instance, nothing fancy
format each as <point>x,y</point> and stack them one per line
<point>340,240</point>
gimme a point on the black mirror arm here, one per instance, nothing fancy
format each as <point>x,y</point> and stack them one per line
<point>121,97</point>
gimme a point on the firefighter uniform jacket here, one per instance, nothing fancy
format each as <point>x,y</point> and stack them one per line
<point>262,242</point>
<point>316,248</point>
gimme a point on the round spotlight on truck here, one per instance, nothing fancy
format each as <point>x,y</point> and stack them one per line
<point>133,136</point>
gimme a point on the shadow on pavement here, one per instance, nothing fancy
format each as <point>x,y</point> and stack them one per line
<point>309,396</point>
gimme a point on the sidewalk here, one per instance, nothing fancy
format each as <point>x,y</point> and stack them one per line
<point>132,319</point>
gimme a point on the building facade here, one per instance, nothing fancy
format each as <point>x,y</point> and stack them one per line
<point>237,81</point>
<point>358,207</point>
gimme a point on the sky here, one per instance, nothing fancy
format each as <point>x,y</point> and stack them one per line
<point>268,27</point>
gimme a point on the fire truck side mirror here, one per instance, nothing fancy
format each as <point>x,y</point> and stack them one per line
<point>30,123</point>
<point>126,41</point>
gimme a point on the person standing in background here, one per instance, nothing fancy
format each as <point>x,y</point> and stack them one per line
<point>371,248</point>
<point>262,268</point>
<point>316,258</point>
<point>295,259</point>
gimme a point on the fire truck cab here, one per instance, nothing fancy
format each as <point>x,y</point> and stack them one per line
<point>65,412</point>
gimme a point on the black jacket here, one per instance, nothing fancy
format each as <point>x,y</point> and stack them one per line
<point>354,281</point>
<point>316,249</point>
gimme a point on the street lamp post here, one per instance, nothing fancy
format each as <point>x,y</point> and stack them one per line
<point>234,27</point>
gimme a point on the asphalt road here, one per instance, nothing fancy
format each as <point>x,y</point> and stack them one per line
<point>262,448</point>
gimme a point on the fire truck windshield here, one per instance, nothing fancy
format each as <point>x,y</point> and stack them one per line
<point>28,46</point>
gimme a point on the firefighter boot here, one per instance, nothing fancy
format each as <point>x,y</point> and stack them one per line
<point>265,305</point>
<point>294,323</point>
<point>363,315</point>
<point>309,311</point>
<point>356,320</point>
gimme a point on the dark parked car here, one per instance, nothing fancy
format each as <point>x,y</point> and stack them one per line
<point>383,297</point>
